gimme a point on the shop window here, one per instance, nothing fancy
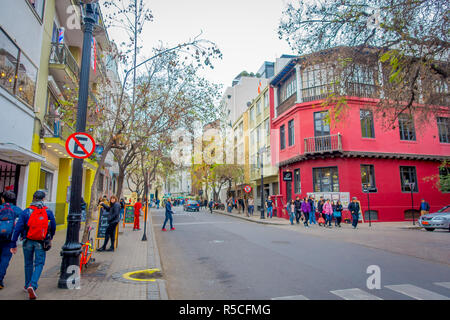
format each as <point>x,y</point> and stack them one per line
<point>18,74</point>
<point>297,187</point>
<point>368,175</point>
<point>45,183</point>
<point>408,175</point>
<point>326,179</point>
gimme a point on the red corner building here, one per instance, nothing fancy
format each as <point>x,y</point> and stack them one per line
<point>336,159</point>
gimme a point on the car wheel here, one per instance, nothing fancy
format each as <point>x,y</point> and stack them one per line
<point>429,229</point>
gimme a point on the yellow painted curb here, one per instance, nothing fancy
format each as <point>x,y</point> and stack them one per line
<point>128,275</point>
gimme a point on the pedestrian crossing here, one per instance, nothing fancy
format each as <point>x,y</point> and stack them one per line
<point>408,290</point>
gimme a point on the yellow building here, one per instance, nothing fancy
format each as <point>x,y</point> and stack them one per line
<point>259,134</point>
<point>58,79</point>
<point>241,153</point>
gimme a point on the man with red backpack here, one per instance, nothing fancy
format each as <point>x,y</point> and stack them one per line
<point>8,215</point>
<point>37,226</point>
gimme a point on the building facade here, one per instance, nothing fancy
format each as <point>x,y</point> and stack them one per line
<point>339,159</point>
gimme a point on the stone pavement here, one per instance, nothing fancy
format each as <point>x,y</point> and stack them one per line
<point>397,237</point>
<point>103,279</point>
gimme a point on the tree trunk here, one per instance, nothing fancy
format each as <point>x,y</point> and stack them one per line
<point>120,179</point>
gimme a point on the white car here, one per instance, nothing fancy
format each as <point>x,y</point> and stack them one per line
<point>438,220</point>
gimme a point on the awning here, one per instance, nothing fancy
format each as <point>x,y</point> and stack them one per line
<point>16,154</point>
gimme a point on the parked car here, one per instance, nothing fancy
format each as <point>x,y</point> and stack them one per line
<point>191,205</point>
<point>437,220</point>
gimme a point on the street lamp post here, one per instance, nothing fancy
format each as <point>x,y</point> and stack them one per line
<point>411,187</point>
<point>260,154</point>
<point>72,248</point>
<point>366,190</point>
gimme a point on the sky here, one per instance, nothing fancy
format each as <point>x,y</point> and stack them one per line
<point>244,30</point>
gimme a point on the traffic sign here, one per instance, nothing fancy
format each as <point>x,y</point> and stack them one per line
<point>80,145</point>
<point>247,189</point>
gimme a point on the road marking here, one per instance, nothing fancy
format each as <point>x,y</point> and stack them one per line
<point>188,223</point>
<point>299,297</point>
<point>443,284</point>
<point>416,292</point>
<point>355,294</point>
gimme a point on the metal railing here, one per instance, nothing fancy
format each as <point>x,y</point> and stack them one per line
<point>351,89</point>
<point>60,54</point>
<point>323,144</point>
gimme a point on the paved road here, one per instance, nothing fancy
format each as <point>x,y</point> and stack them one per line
<point>219,257</point>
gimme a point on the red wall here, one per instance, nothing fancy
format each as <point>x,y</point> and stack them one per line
<point>389,201</point>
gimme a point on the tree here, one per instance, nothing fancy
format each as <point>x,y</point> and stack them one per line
<point>408,38</point>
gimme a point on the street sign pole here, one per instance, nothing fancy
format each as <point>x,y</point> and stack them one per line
<point>72,248</point>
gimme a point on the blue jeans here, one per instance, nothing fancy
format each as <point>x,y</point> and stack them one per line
<point>250,210</point>
<point>291,217</point>
<point>312,217</point>
<point>34,257</point>
<point>329,218</point>
<point>5,257</point>
<point>355,218</point>
<point>269,212</point>
<point>168,218</point>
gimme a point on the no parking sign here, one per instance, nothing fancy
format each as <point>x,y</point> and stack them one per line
<point>80,145</point>
<point>247,189</point>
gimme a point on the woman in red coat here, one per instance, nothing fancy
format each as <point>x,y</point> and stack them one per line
<point>137,211</point>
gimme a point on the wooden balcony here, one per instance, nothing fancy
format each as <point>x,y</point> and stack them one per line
<point>323,144</point>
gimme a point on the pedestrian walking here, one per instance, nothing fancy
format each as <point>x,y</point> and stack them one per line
<point>251,206</point>
<point>328,211</point>
<point>298,209</point>
<point>230,204</point>
<point>122,208</point>
<point>169,217</point>
<point>137,212</point>
<point>113,219</point>
<point>291,211</point>
<point>36,226</point>
<point>211,204</point>
<point>269,206</point>
<point>8,215</point>
<point>424,207</point>
<point>337,213</point>
<point>354,208</point>
<point>320,208</point>
<point>241,205</point>
<point>312,213</point>
<point>306,209</point>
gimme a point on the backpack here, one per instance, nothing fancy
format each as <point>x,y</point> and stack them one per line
<point>37,224</point>
<point>7,222</point>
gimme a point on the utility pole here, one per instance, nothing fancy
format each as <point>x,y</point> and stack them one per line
<point>72,248</point>
<point>260,154</point>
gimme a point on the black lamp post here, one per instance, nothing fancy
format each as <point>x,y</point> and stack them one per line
<point>72,248</point>
<point>366,190</point>
<point>260,154</point>
<point>411,187</point>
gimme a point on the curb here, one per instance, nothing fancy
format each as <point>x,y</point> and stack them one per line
<point>161,283</point>
<point>251,220</point>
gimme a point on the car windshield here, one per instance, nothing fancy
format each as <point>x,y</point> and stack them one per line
<point>192,202</point>
<point>445,210</point>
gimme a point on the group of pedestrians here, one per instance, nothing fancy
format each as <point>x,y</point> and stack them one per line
<point>323,212</point>
<point>35,226</point>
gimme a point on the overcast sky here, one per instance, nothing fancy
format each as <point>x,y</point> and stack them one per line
<point>244,30</point>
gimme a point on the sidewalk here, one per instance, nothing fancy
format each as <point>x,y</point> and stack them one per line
<point>103,280</point>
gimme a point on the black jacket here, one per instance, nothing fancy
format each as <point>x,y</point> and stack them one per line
<point>298,205</point>
<point>114,212</point>
<point>353,207</point>
<point>320,206</point>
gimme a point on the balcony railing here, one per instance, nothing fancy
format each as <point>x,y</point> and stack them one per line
<point>323,144</point>
<point>60,54</point>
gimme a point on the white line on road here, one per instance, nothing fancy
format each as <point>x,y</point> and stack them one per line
<point>355,294</point>
<point>443,284</point>
<point>188,223</point>
<point>416,292</point>
<point>299,297</point>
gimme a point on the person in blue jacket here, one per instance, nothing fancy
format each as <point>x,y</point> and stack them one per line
<point>169,213</point>
<point>7,198</point>
<point>33,250</point>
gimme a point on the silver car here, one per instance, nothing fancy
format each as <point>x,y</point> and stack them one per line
<point>438,220</point>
